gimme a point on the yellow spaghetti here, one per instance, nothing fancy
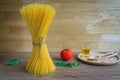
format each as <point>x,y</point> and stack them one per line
<point>38,18</point>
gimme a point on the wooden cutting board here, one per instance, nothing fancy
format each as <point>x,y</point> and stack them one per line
<point>111,61</point>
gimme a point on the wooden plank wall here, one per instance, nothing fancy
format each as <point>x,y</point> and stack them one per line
<point>93,22</point>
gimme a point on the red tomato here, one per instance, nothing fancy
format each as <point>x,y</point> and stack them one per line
<point>66,54</point>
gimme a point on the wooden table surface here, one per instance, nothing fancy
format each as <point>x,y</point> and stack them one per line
<point>82,72</point>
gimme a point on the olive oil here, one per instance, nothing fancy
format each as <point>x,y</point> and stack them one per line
<point>85,51</point>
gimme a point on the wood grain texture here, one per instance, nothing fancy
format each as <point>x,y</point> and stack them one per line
<point>82,72</point>
<point>93,22</point>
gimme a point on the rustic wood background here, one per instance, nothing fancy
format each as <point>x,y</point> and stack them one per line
<point>93,22</point>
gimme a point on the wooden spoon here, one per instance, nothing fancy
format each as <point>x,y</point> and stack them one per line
<point>96,57</point>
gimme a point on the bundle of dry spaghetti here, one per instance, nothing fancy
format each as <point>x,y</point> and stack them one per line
<point>38,18</point>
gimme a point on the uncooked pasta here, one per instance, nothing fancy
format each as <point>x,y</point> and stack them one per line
<point>38,18</point>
